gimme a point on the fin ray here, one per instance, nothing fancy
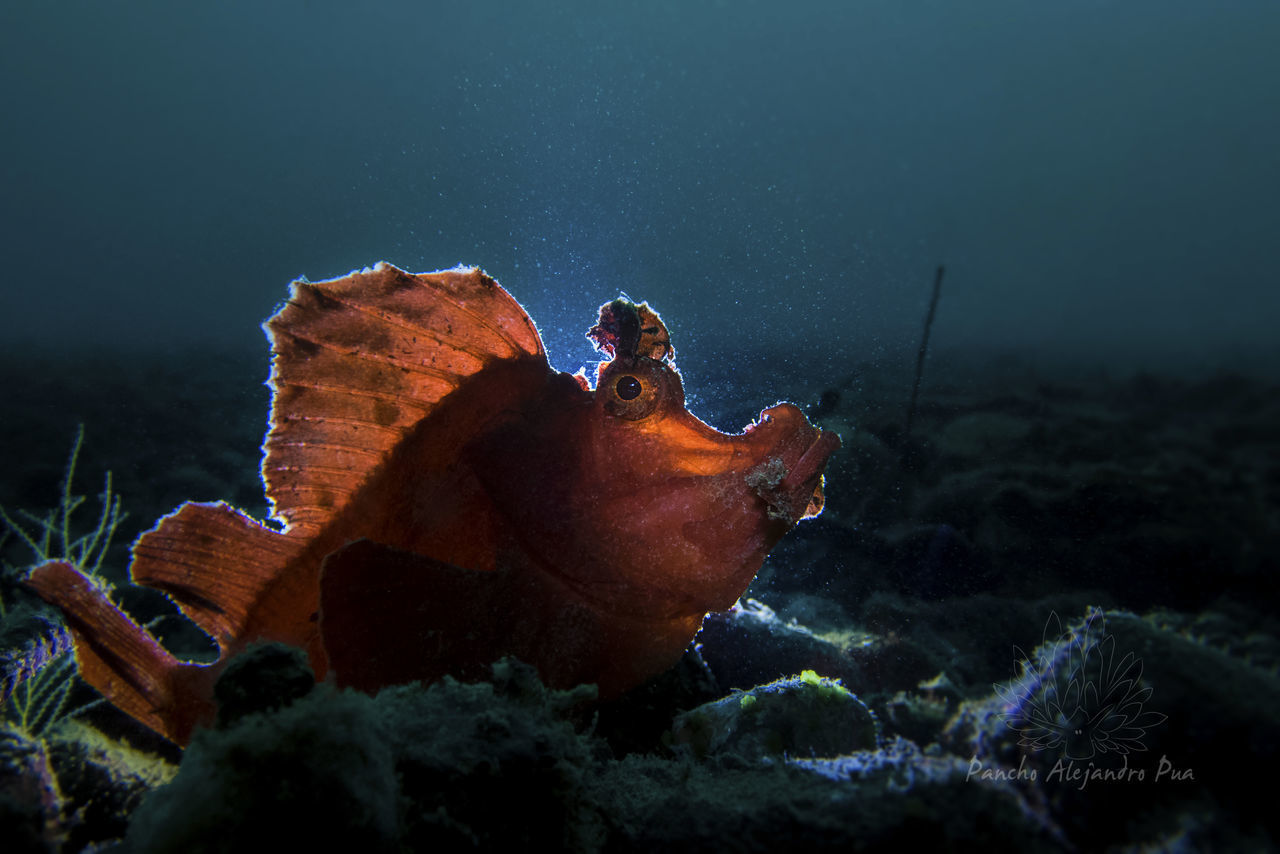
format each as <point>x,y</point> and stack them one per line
<point>214,561</point>
<point>378,349</point>
<point>121,659</point>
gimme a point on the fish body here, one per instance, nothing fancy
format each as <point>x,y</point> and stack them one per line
<point>446,497</point>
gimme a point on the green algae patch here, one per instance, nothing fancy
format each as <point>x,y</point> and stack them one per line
<point>805,715</point>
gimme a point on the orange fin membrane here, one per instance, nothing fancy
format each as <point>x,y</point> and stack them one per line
<point>214,561</point>
<point>120,658</point>
<point>359,361</point>
<point>388,617</point>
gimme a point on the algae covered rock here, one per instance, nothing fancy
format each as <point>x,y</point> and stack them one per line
<point>31,801</point>
<point>318,770</point>
<point>806,715</point>
<point>265,676</point>
<point>103,780</point>
<point>891,799</point>
<point>751,644</point>
<point>412,766</point>
<point>1121,720</point>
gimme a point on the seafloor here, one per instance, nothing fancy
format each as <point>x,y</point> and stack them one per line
<point>1051,607</point>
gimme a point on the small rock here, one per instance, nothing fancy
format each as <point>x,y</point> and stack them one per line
<point>806,715</point>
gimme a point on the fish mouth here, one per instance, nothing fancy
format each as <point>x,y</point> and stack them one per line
<point>791,482</point>
<point>811,463</point>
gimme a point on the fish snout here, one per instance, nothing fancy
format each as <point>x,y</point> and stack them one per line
<point>784,415</point>
<point>790,476</point>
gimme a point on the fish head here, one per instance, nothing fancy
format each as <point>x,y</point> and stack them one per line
<point>669,514</point>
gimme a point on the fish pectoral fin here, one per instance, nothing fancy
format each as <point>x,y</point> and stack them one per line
<point>388,617</point>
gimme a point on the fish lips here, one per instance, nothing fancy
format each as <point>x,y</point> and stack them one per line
<point>789,478</point>
<point>806,479</point>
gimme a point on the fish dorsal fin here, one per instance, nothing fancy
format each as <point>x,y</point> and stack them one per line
<point>358,361</point>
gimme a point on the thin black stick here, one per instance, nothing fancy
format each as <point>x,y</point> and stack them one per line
<point>924,348</point>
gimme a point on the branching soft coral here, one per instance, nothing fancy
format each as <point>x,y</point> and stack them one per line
<point>37,671</point>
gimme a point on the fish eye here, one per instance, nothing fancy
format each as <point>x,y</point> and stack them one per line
<point>628,387</point>
<point>634,390</point>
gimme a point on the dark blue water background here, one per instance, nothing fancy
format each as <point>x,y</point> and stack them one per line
<point>1100,178</point>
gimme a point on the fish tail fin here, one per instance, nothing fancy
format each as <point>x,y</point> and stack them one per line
<point>122,660</point>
